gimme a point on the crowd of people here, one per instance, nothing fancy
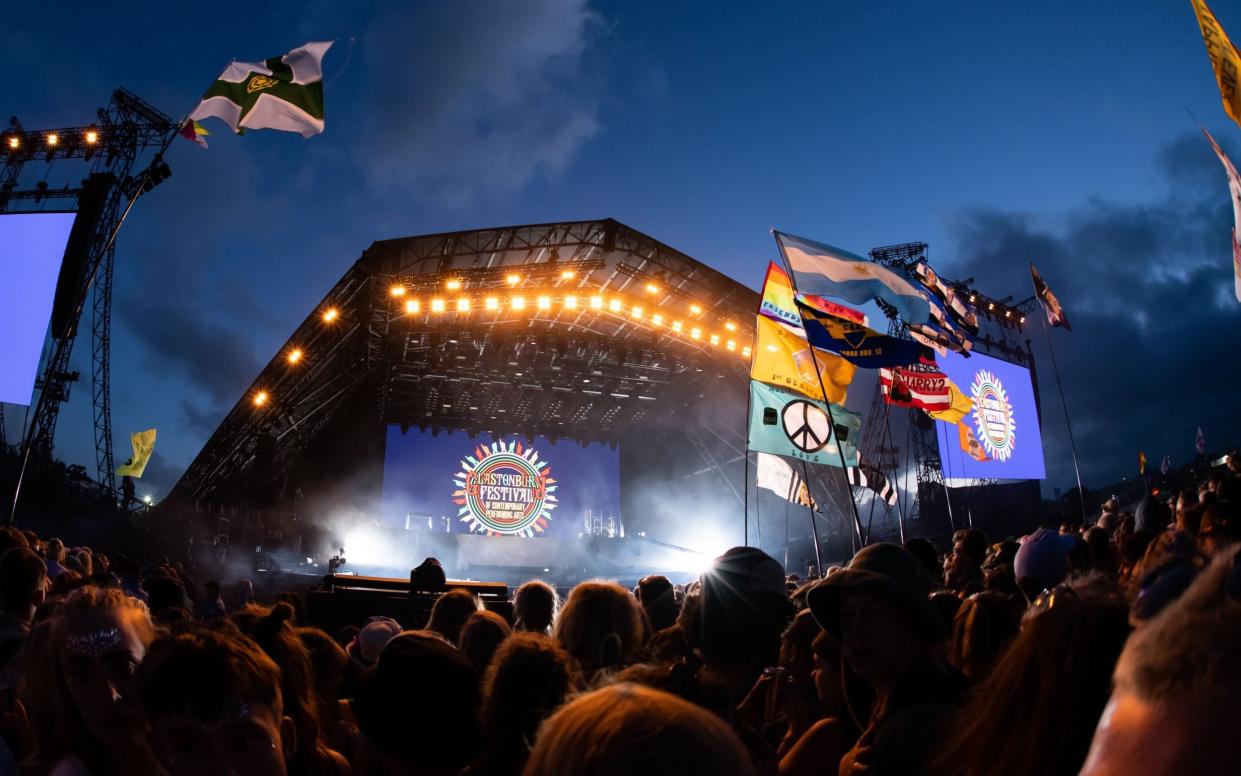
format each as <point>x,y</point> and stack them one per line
<point>1103,649</point>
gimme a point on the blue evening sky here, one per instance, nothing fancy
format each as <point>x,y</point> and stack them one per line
<point>997,132</point>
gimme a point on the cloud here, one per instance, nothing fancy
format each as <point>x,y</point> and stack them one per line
<point>1148,289</point>
<point>476,96</point>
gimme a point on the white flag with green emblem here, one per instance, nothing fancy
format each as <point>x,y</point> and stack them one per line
<point>279,93</point>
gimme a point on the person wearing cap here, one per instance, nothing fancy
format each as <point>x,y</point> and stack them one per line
<point>365,648</point>
<point>879,610</point>
<point>1042,561</point>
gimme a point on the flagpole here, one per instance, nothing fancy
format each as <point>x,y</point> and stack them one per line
<point>64,341</point>
<point>900,511</point>
<point>857,521</point>
<point>814,529</point>
<point>1081,494</point>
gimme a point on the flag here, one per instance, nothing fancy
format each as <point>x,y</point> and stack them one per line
<point>960,405</point>
<point>1234,188</point>
<point>1200,442</point>
<point>938,341</point>
<point>858,344</point>
<point>826,271</point>
<point>194,132</point>
<point>875,480</point>
<point>925,390</point>
<point>1166,465</point>
<point>784,423</point>
<point>969,442</point>
<point>777,303</point>
<point>1051,305</point>
<point>776,475</point>
<point>1141,462</point>
<point>1224,59</point>
<point>784,359</point>
<point>828,307</point>
<point>144,444</point>
<point>955,305</point>
<point>279,93</point>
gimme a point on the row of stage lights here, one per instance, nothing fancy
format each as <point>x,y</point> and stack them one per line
<point>1002,314</point>
<point>544,302</point>
<point>261,398</point>
<point>52,140</point>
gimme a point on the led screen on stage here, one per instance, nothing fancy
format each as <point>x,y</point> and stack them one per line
<point>1007,440</point>
<point>32,246</point>
<point>453,483</point>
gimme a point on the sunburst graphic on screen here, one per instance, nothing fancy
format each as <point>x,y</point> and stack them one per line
<point>505,489</point>
<point>993,415</point>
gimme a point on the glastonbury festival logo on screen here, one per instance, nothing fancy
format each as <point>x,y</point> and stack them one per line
<point>505,488</point>
<point>993,415</point>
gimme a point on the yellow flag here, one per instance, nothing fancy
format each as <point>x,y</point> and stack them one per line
<point>783,359</point>
<point>961,406</point>
<point>144,445</point>
<point>1224,59</point>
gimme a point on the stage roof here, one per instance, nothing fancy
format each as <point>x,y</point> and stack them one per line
<point>581,330</point>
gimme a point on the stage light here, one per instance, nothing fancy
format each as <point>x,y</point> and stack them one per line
<point>1023,319</point>
<point>412,306</point>
<point>652,288</point>
<point>731,345</point>
<point>295,355</point>
<point>397,291</point>
<point>15,142</point>
<point>260,398</point>
<point>1008,313</point>
<point>615,305</point>
<point>730,326</point>
<point>518,303</point>
<point>330,315</point>
<point>148,499</point>
<point>491,303</point>
<point>657,319</point>
<point>568,274</point>
<point>463,305</point>
<point>437,305</point>
<point>453,285</point>
<point>637,312</point>
<point>544,302</point>
<point>570,302</point>
<point>695,333</point>
<point>695,309</point>
<point>596,302</point>
<point>676,326</point>
<point>745,352</point>
<point>715,339</point>
<point>513,279</point>
<point>53,139</point>
<point>991,306</point>
<point>91,136</point>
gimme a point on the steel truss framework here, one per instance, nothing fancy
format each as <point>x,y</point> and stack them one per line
<point>614,331</point>
<point>127,128</point>
<point>1002,324</point>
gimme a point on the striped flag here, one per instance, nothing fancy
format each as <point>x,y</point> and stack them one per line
<point>866,476</point>
<point>776,475</point>
<point>283,93</point>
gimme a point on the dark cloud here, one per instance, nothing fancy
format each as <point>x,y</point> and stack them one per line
<point>159,477</point>
<point>1148,289</point>
<point>475,96</point>
<point>181,342</point>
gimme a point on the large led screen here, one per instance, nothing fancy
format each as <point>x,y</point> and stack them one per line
<point>32,246</point>
<point>1007,442</point>
<point>450,482</point>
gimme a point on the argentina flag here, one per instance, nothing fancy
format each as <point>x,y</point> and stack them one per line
<point>826,271</point>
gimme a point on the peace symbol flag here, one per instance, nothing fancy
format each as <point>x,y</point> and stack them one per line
<point>785,423</point>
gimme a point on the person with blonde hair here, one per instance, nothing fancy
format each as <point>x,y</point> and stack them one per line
<point>626,728</point>
<point>600,626</point>
<point>79,689</point>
